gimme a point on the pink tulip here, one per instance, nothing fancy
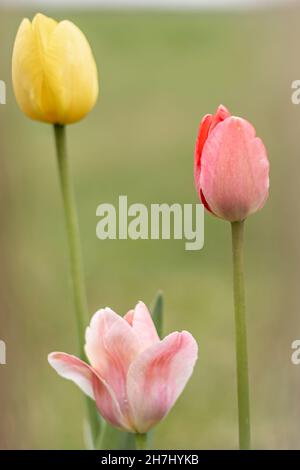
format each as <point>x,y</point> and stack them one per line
<point>231,166</point>
<point>134,377</point>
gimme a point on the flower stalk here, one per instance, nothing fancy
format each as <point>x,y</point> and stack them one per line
<point>141,441</point>
<point>77,277</point>
<point>241,335</point>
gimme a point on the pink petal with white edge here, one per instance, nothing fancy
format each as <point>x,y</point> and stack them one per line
<point>111,346</point>
<point>108,406</point>
<point>100,324</point>
<point>72,368</point>
<point>157,378</point>
<point>142,324</point>
<point>105,327</point>
<point>234,170</point>
<point>121,348</point>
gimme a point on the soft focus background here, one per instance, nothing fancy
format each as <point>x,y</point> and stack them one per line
<point>160,72</point>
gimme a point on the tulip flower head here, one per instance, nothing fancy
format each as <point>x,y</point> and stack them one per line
<point>53,70</point>
<point>134,377</point>
<point>231,167</point>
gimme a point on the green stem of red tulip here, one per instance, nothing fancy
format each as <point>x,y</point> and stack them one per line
<point>77,277</point>
<point>241,335</point>
<point>141,441</point>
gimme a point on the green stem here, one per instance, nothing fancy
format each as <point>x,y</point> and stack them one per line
<point>241,335</point>
<point>79,294</point>
<point>141,441</point>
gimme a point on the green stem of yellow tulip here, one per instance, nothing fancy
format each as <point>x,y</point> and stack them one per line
<point>241,335</point>
<point>80,302</point>
<point>77,277</point>
<point>141,441</point>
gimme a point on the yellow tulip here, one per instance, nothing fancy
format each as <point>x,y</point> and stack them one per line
<point>53,70</point>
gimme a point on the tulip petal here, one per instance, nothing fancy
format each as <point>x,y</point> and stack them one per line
<point>108,405</point>
<point>72,73</point>
<point>202,136</point>
<point>208,123</point>
<point>31,73</point>
<point>72,368</point>
<point>111,346</point>
<point>104,327</point>
<point>158,376</point>
<point>142,324</point>
<point>221,114</point>
<point>43,27</point>
<point>234,170</point>
<point>27,74</point>
<point>100,324</point>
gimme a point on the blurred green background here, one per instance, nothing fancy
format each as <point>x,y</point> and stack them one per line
<point>159,74</point>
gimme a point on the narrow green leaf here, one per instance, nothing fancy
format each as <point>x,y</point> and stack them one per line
<point>157,312</point>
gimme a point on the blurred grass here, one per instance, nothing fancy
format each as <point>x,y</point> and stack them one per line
<point>159,74</point>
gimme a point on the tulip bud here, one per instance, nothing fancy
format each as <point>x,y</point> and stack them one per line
<point>53,70</point>
<point>231,167</point>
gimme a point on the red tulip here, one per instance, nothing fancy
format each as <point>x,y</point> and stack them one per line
<point>231,166</point>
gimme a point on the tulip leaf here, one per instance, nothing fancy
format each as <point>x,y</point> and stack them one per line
<point>157,313</point>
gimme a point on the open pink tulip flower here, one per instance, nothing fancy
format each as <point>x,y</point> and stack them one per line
<point>231,166</point>
<point>134,377</point>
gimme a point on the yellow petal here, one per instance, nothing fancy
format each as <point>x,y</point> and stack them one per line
<point>43,27</point>
<point>72,72</point>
